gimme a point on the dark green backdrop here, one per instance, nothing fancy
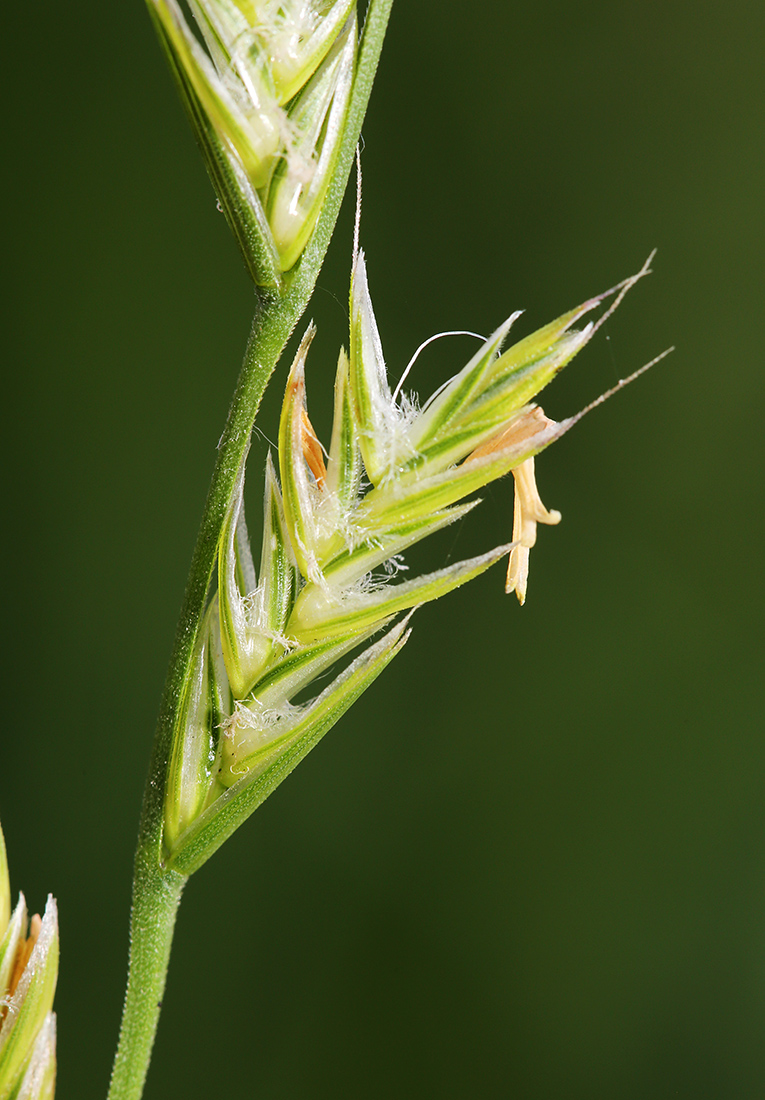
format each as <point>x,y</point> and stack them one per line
<point>550,883</point>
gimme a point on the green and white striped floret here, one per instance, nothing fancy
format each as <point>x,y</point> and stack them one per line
<point>334,537</point>
<point>28,974</point>
<point>267,96</point>
<point>39,1079</point>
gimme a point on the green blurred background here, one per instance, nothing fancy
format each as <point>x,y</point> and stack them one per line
<point>531,861</point>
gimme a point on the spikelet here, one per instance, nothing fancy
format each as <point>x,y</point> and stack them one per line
<point>28,973</point>
<point>336,525</point>
<point>267,96</point>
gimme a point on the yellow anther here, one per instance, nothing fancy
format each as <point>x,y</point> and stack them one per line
<point>312,450</point>
<point>528,511</point>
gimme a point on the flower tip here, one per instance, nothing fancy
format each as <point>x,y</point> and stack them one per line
<point>296,380</point>
<point>305,343</point>
<point>518,573</point>
<point>360,297</point>
<point>359,266</point>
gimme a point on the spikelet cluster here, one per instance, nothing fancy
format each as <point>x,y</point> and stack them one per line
<point>266,91</point>
<point>335,526</point>
<point>28,973</point>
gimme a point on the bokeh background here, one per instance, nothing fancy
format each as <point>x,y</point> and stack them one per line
<point>530,863</point>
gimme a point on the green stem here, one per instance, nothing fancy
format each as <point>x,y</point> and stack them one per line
<point>156,888</point>
<point>156,897</point>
